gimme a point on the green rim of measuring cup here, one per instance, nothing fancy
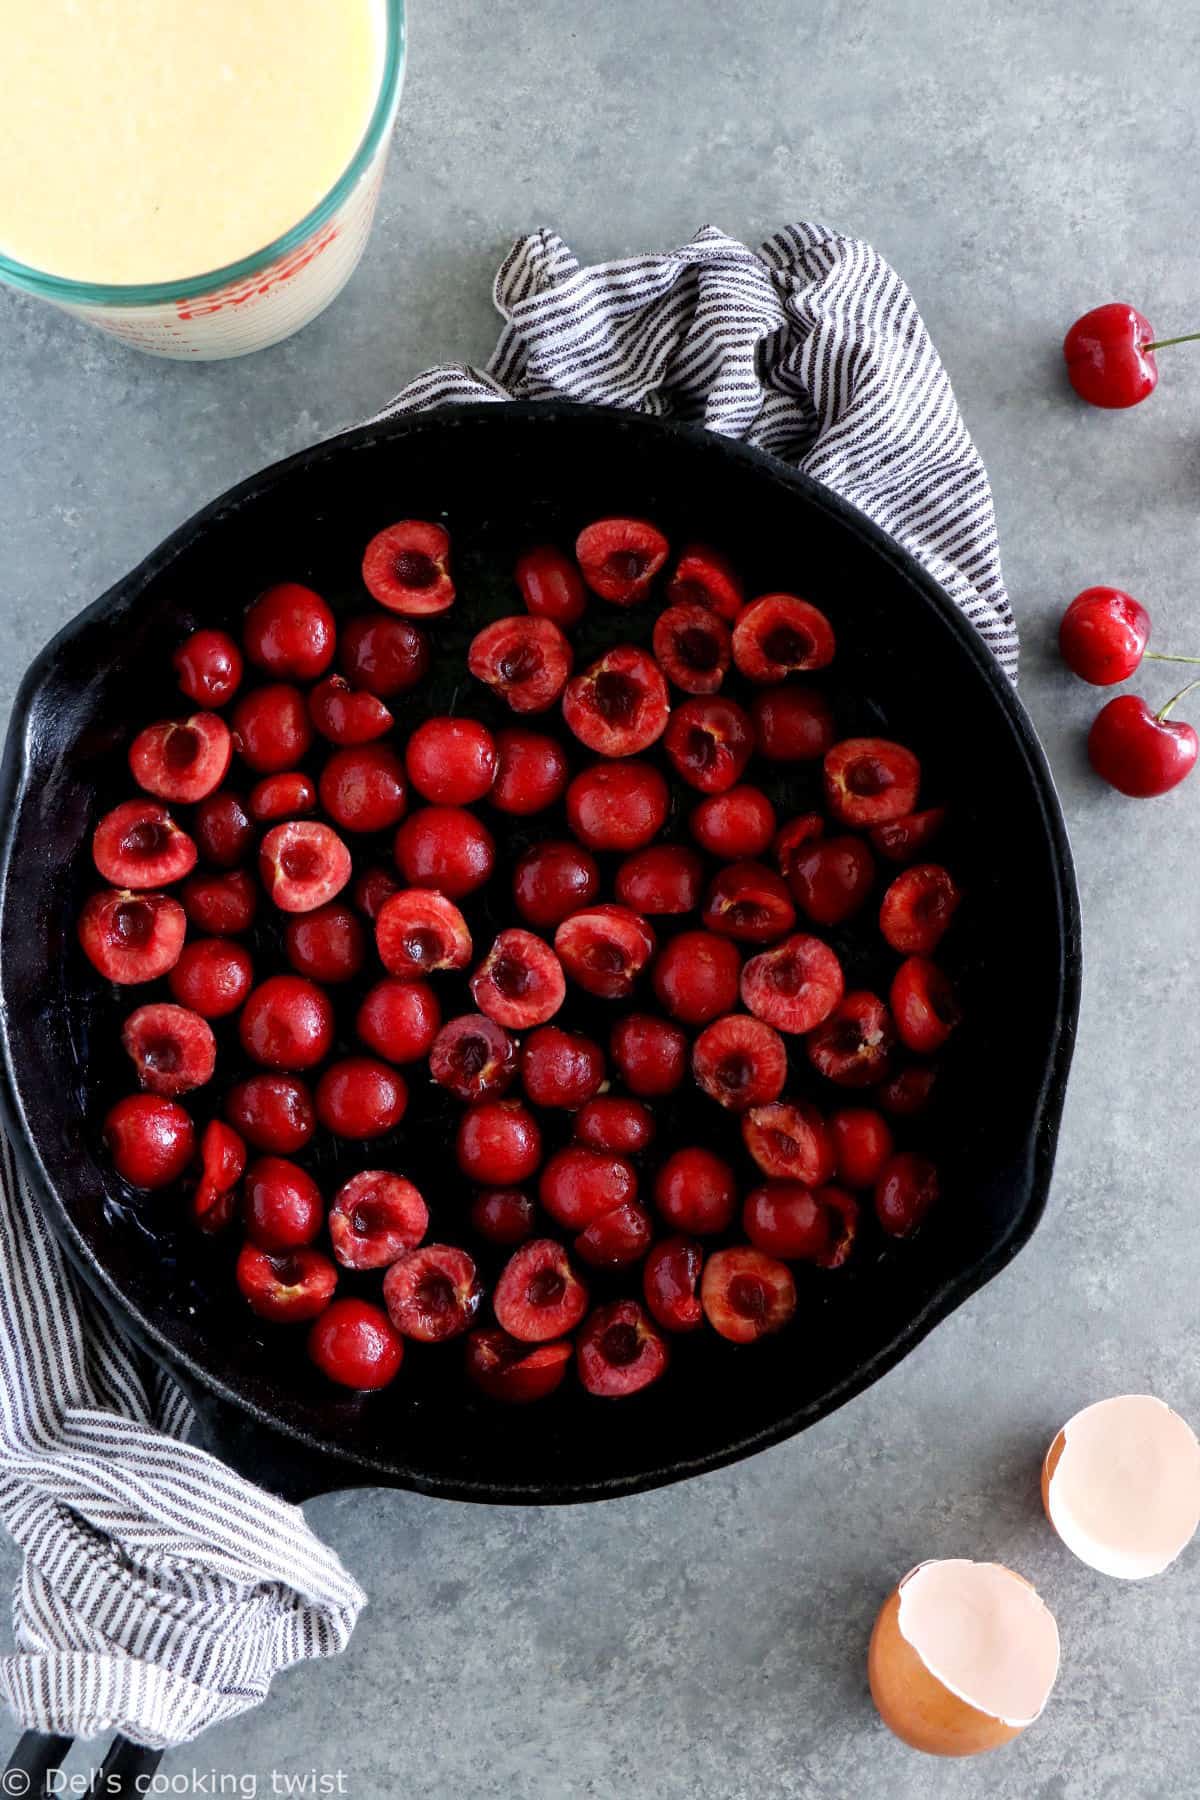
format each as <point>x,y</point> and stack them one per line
<point>153,293</point>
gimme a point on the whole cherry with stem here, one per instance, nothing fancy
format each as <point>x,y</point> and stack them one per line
<point>1139,752</point>
<point>1103,636</point>
<point>1110,355</point>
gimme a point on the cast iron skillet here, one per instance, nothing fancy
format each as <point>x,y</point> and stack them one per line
<point>502,475</point>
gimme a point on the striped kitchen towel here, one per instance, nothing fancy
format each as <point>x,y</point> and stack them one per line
<point>811,348</point>
<point>161,1592</point>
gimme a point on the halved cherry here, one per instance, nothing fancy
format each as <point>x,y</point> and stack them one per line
<point>520,982</point>
<point>578,1185</point>
<point>703,577</point>
<point>287,1023</point>
<point>905,1192</point>
<point>792,724</point>
<point>551,586</point>
<point>173,1048</point>
<point>616,1238</point>
<point>360,1097</point>
<point>406,567</point>
<point>499,1143</point>
<point>662,878</point>
<point>696,978</point>
<point>281,1204</point>
<point>272,727</point>
<point>383,654</point>
<point>347,715</point>
<point>793,838</point>
<point>363,788</point>
<point>539,1296</point>
<point>604,949</point>
<point>553,880</point>
<point>749,902</point>
<point>223,905</point>
<point>693,646</point>
<point>182,759</point>
<point>612,1122</point>
<point>619,1351</point>
<point>710,742</point>
<point>736,825</point>
<point>289,631</point>
<point>511,1372</point>
<point>794,985</point>
<point>531,772</point>
<point>224,830</point>
<point>696,1192</point>
<point>785,1219</point>
<point>503,1215</point>
<point>924,1005</point>
<point>908,1091</point>
<point>451,762</point>
<point>286,1288</point>
<point>473,1058</point>
<point>376,1217</point>
<point>447,848</point>
<point>853,1046</point>
<point>561,1068</point>
<point>617,806</point>
<point>328,944</point>
<point>131,937</point>
<point>151,1140</point>
<point>284,796</point>
<point>902,840</point>
<point>399,1020</point>
<point>918,907</point>
<point>746,1294</point>
<point>209,666</point>
<point>740,1062</point>
<point>139,845</point>
<point>862,1143</point>
<point>670,1277</point>
<point>619,558</point>
<point>779,635</point>
<point>222,1160</point>
<point>526,661</point>
<point>789,1142</point>
<point>619,705</point>
<point>303,865</point>
<point>831,878</point>
<point>870,781</point>
<point>650,1054</point>
<point>272,1112</point>
<point>356,1345</point>
<point>419,932</point>
<point>842,1211</point>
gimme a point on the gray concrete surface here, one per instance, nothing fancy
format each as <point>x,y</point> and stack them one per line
<point>1018,163</point>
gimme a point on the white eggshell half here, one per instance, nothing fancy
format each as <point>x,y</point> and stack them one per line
<point>986,1635</point>
<point>1124,1494</point>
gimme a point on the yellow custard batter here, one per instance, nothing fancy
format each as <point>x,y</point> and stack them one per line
<point>150,140</point>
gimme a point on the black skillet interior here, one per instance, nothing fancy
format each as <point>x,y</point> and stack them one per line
<point>501,477</point>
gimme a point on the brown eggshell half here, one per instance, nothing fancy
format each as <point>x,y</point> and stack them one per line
<point>915,1705</point>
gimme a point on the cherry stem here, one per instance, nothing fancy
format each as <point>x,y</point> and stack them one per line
<point>1161,714</point>
<point>1161,656</point>
<point>1189,337</point>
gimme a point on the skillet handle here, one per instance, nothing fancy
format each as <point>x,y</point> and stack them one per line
<point>39,1755</point>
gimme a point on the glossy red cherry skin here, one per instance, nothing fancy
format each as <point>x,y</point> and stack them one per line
<point>578,1185</point>
<point>384,655</point>
<point>361,1097</point>
<point>151,1140</point>
<point>364,789</point>
<point>1137,752</point>
<point>612,1122</point>
<point>1103,635</point>
<point>1108,363</point>
<point>670,1278</point>
<point>289,631</point>
<point>499,1144</point>
<point>274,1113</point>
<point>618,806</point>
<point>356,1345</point>
<point>561,1068</point>
<point>451,762</point>
<point>272,727</point>
<point>551,586</point>
<point>282,1204</point>
<point>209,666</point>
<point>221,904</point>
<point>696,977</point>
<point>661,879</point>
<point>289,795</point>
<point>516,1374</point>
<point>224,830</point>
<point>503,1215</point>
<point>328,945</point>
<point>447,848</point>
<point>650,1054</point>
<point>287,1023</point>
<point>553,880</point>
<point>212,976</point>
<point>792,723</point>
<point>696,1192</point>
<point>905,1192</point>
<point>399,1020</point>
<point>531,772</point>
<point>862,1143</point>
<point>737,826</point>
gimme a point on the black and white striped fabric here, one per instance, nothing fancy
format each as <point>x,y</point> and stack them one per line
<point>811,348</point>
<point>161,1592</point>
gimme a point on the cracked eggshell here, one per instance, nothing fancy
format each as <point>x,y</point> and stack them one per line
<point>1121,1485</point>
<point>962,1658</point>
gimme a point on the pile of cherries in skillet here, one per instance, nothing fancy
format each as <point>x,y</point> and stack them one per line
<point>665,928</point>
